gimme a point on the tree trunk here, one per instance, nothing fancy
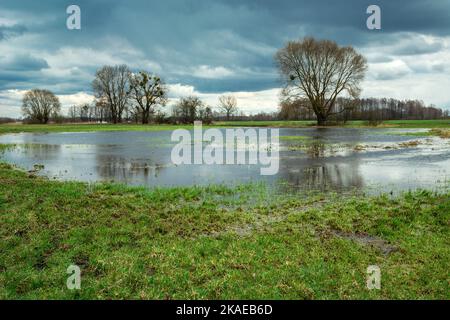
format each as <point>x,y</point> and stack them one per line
<point>321,120</point>
<point>145,117</point>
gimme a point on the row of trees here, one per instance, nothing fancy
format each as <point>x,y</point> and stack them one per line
<point>122,95</point>
<point>370,109</point>
<point>118,89</point>
<point>41,105</point>
<point>142,93</point>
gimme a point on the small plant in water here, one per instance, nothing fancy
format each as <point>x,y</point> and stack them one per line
<point>38,167</point>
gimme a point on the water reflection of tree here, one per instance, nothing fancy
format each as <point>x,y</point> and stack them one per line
<point>320,169</point>
<point>334,176</point>
<point>42,151</point>
<point>110,167</point>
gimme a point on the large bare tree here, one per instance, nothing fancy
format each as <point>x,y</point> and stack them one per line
<point>147,91</point>
<point>321,71</point>
<point>228,104</point>
<point>113,84</point>
<point>40,105</point>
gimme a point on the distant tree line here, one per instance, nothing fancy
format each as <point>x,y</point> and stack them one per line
<point>369,109</point>
<point>7,120</point>
<point>189,109</point>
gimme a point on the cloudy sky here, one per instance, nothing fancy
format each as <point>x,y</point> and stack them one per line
<point>209,47</point>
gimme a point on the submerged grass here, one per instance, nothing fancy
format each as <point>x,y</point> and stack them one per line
<point>436,132</point>
<point>442,133</point>
<point>216,242</point>
<point>294,138</point>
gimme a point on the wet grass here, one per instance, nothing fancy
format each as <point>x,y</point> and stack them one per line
<point>416,124</point>
<point>294,138</point>
<point>217,242</point>
<point>6,147</point>
<point>442,133</point>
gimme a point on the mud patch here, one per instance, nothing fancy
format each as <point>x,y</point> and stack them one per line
<point>367,240</point>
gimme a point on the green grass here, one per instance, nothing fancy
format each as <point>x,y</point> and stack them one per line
<point>16,128</point>
<point>279,124</point>
<point>416,124</point>
<point>216,242</point>
<point>294,138</point>
<point>443,133</point>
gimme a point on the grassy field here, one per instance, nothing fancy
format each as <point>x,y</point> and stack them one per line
<point>217,242</point>
<point>15,128</point>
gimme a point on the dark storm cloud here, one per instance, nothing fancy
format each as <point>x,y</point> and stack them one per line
<point>239,36</point>
<point>417,47</point>
<point>11,31</point>
<point>23,62</point>
<point>216,86</point>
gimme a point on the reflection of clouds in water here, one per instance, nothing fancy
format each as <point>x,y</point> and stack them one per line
<point>389,171</point>
<point>379,174</point>
<point>127,170</point>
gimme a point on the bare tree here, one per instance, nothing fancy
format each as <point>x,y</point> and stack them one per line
<point>73,113</point>
<point>295,110</point>
<point>320,71</point>
<point>101,109</point>
<point>187,109</point>
<point>228,104</point>
<point>40,105</point>
<point>113,84</point>
<point>147,91</point>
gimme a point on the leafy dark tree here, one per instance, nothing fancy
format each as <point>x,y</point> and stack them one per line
<point>320,71</point>
<point>40,105</point>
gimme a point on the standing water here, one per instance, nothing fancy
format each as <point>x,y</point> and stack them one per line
<point>335,159</point>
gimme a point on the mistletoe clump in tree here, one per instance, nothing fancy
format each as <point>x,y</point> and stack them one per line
<point>147,91</point>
